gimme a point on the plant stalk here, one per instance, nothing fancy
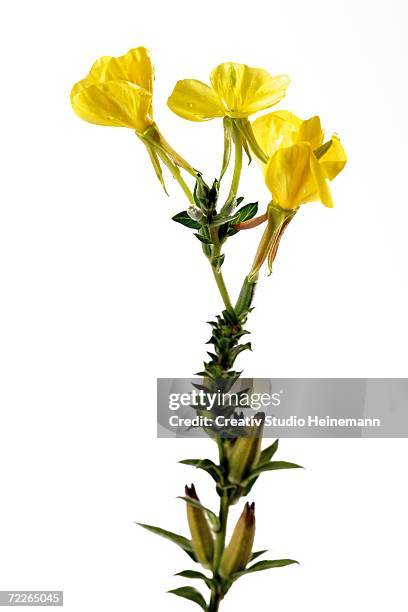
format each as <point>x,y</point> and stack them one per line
<point>214,602</point>
<point>218,276</point>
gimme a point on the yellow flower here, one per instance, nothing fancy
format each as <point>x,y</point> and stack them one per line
<point>299,163</point>
<point>117,91</point>
<point>236,91</point>
<point>294,177</point>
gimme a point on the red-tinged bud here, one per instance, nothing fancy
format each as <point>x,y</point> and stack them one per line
<point>239,550</point>
<point>202,538</point>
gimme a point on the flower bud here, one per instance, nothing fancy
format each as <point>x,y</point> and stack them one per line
<point>245,453</point>
<point>201,536</point>
<point>195,213</point>
<point>239,550</point>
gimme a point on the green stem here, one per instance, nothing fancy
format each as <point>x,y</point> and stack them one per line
<point>245,127</point>
<point>219,279</point>
<point>217,593</point>
<point>176,175</point>
<point>214,602</point>
<point>237,165</point>
<point>220,539</point>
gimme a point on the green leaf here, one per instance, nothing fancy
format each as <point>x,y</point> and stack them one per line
<point>217,261</point>
<point>246,212</point>
<point>257,554</point>
<point>268,453</point>
<point>195,576</point>
<point>207,465</point>
<point>192,594</point>
<point>213,518</point>
<point>264,565</point>
<point>203,239</point>
<point>273,465</point>
<point>181,541</point>
<point>221,220</point>
<point>183,218</point>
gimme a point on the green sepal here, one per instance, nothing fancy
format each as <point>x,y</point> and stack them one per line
<point>264,565</point>
<point>227,145</point>
<point>192,594</point>
<point>184,218</point>
<point>320,151</point>
<point>181,541</point>
<point>156,164</point>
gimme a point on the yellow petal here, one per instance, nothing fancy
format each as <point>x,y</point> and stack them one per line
<point>135,67</point>
<point>311,131</point>
<point>243,90</point>
<point>114,103</point>
<point>195,101</point>
<point>288,176</point>
<point>276,130</point>
<point>334,160</point>
<point>294,177</point>
<point>322,190</point>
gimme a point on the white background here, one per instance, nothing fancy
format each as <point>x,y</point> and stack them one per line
<point>101,293</point>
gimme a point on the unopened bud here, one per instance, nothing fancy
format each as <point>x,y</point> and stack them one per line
<point>201,535</point>
<point>245,453</point>
<point>239,550</point>
<point>195,213</point>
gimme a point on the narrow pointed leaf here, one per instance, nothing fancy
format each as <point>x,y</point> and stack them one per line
<point>183,218</point>
<point>181,541</point>
<point>203,239</point>
<point>246,212</point>
<point>268,453</point>
<point>264,565</point>
<point>274,465</point>
<point>195,576</point>
<point>207,465</point>
<point>257,554</point>
<point>192,594</point>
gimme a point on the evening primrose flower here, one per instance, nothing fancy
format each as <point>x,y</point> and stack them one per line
<point>236,91</point>
<point>299,163</point>
<point>298,170</point>
<point>117,91</point>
